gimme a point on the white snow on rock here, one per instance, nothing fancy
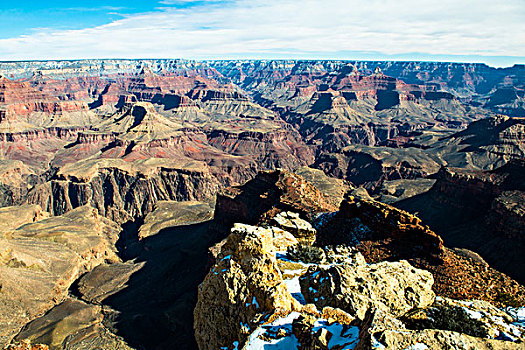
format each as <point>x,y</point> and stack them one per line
<point>292,281</point>
<point>518,314</point>
<point>295,288</point>
<point>287,342</point>
<point>418,346</point>
<point>476,315</point>
<point>341,338</point>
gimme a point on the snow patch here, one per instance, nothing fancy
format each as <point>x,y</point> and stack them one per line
<point>518,314</point>
<point>288,342</point>
<point>417,346</point>
<point>295,289</point>
<point>476,315</point>
<point>342,338</point>
<point>510,331</point>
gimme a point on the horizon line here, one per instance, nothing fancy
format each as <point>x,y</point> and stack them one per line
<point>259,59</point>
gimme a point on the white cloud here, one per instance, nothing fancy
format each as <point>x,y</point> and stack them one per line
<point>264,27</point>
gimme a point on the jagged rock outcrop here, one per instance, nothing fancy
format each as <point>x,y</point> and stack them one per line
<point>380,330</point>
<point>335,189</point>
<point>244,285</point>
<point>484,145</point>
<point>507,100</point>
<point>384,233</point>
<point>353,304</point>
<point>490,143</point>
<point>139,141</point>
<point>301,229</point>
<point>378,221</point>
<point>268,194</point>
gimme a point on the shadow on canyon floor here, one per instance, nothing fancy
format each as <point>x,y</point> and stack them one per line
<point>155,310</point>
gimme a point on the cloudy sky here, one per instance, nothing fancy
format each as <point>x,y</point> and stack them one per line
<point>446,30</point>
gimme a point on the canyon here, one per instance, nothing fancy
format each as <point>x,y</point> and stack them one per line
<point>154,204</point>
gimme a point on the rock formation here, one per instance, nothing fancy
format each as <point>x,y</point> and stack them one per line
<point>268,194</point>
<point>244,285</point>
<point>256,296</point>
<point>394,288</point>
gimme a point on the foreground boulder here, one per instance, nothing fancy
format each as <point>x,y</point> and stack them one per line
<point>382,232</point>
<point>381,331</point>
<point>299,228</point>
<point>394,287</point>
<point>242,286</point>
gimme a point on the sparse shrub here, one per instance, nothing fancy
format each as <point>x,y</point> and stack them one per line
<point>306,254</point>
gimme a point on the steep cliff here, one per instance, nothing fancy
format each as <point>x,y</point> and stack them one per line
<point>122,191</point>
<point>481,211</point>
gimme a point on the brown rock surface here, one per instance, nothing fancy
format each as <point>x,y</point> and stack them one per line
<point>381,330</point>
<point>382,232</point>
<point>401,228</point>
<point>266,195</point>
<point>129,137</point>
<point>394,287</point>
<point>366,306</point>
<point>335,189</point>
<point>301,229</point>
<point>72,325</point>
<point>169,214</point>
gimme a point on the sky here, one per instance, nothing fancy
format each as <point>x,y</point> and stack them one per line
<point>485,31</point>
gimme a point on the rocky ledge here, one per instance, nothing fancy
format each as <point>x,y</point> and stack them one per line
<point>261,293</point>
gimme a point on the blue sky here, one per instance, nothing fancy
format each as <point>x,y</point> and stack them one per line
<point>30,16</point>
<point>446,30</point>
